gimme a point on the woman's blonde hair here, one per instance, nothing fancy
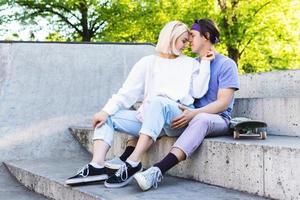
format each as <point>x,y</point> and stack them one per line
<point>168,36</point>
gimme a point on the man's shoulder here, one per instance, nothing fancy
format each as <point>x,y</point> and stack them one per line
<point>223,61</point>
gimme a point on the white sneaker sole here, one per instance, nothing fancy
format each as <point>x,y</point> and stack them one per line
<point>141,181</point>
<point>112,166</point>
<point>109,185</point>
<point>115,185</point>
<point>86,179</point>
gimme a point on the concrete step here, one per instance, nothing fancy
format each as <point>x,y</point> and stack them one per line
<point>47,177</point>
<point>269,168</point>
<point>11,189</point>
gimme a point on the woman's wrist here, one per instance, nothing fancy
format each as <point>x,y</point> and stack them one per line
<point>104,112</point>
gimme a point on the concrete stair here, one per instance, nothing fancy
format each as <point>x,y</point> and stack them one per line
<point>269,168</point>
<point>47,177</point>
<point>11,189</point>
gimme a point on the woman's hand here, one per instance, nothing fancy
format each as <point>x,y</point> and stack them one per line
<point>99,119</point>
<point>210,55</point>
<point>184,118</point>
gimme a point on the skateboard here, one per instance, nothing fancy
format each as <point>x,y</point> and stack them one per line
<point>243,126</point>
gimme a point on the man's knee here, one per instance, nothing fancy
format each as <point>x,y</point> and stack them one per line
<point>201,118</point>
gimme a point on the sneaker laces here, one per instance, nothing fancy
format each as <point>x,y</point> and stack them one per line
<point>157,177</point>
<point>123,170</point>
<point>81,171</point>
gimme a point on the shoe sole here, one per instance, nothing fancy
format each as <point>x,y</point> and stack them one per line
<point>112,166</point>
<point>86,179</point>
<point>140,181</point>
<point>118,185</point>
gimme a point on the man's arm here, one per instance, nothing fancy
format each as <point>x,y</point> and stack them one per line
<point>224,98</point>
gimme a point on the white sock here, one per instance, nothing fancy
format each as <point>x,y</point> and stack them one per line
<point>96,165</point>
<point>132,163</point>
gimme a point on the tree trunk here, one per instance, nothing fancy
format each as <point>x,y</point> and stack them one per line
<point>86,37</point>
<point>233,53</point>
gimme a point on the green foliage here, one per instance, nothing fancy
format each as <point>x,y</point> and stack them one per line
<point>56,37</point>
<point>260,35</point>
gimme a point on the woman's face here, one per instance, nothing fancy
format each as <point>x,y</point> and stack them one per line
<point>182,41</point>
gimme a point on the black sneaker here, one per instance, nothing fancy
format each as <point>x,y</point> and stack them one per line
<point>88,174</point>
<point>123,176</point>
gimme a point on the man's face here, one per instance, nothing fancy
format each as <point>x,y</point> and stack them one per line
<point>197,41</point>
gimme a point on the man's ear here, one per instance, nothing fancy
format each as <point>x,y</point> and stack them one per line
<point>207,35</point>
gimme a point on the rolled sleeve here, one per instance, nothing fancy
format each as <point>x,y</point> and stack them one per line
<point>228,76</point>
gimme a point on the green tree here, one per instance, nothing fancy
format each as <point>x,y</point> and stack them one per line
<point>251,30</point>
<point>260,35</point>
<point>80,19</point>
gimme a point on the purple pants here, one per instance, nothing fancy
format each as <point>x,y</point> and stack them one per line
<point>200,126</point>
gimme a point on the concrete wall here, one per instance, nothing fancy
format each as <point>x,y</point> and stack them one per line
<point>277,84</point>
<point>46,87</point>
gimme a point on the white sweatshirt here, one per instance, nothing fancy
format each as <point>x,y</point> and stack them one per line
<point>181,79</point>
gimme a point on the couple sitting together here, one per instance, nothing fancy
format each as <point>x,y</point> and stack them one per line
<point>182,96</point>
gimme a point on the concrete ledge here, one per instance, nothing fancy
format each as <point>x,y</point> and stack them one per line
<point>47,177</point>
<point>281,114</point>
<point>269,168</point>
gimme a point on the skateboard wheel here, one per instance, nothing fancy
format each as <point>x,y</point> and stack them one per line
<point>263,135</point>
<point>236,134</point>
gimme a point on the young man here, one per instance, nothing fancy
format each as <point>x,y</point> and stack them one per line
<point>212,112</point>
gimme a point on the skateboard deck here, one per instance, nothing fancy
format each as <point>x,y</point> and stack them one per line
<point>243,126</point>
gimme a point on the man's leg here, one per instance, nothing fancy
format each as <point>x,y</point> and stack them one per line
<point>130,146</point>
<point>200,126</point>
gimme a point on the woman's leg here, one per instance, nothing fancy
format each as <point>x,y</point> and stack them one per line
<point>125,121</point>
<point>159,114</point>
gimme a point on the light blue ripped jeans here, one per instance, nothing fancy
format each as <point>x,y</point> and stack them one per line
<point>158,116</point>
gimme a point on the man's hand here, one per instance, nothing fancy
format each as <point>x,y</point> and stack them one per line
<point>184,118</point>
<point>99,119</point>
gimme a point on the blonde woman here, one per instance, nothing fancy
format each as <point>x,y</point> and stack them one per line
<point>165,81</point>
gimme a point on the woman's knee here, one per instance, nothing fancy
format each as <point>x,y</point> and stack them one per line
<point>159,102</point>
